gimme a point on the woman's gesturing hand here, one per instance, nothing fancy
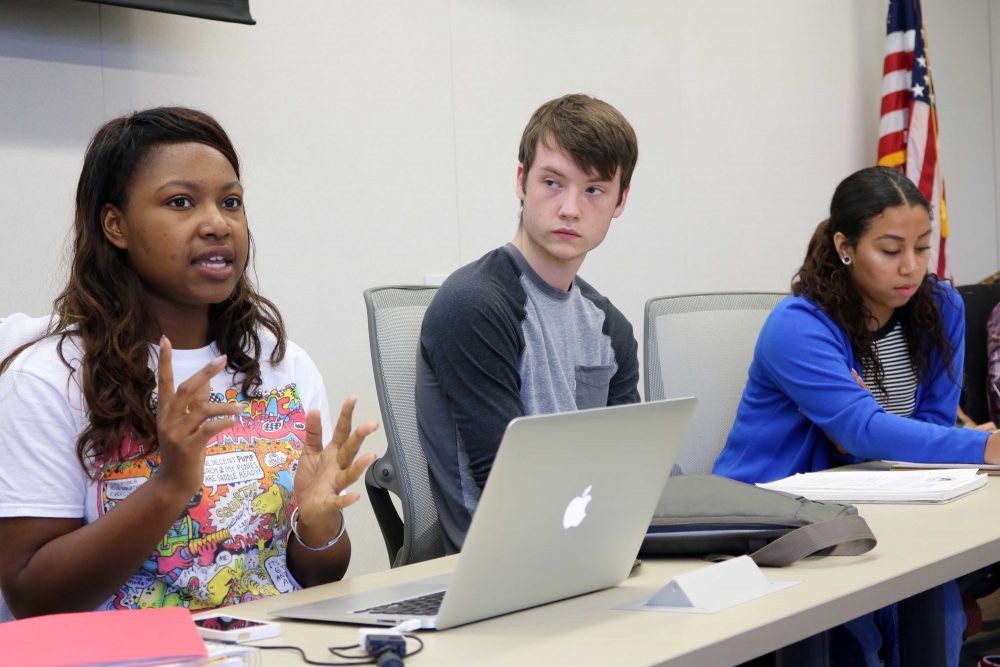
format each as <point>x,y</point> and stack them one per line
<point>323,473</point>
<point>186,421</point>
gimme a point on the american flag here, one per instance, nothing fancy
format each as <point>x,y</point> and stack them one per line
<point>908,130</point>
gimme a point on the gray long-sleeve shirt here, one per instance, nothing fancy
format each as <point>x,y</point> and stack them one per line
<point>498,342</point>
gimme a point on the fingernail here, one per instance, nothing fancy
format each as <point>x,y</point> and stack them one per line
<point>162,338</point>
<point>220,360</point>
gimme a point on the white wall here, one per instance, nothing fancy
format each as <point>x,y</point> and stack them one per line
<point>380,139</point>
<point>964,65</point>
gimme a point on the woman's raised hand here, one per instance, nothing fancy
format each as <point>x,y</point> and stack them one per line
<point>186,421</point>
<point>323,473</point>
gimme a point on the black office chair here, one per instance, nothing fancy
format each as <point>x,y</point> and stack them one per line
<point>979,303</point>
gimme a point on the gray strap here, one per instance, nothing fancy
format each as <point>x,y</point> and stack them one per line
<point>842,536</point>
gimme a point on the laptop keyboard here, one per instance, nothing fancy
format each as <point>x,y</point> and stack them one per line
<point>425,605</point>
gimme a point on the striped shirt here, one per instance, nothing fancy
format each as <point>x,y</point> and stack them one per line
<point>900,378</point>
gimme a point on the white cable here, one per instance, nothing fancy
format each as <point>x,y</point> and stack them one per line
<point>407,626</point>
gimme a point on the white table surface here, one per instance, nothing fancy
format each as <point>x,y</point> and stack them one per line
<point>919,547</point>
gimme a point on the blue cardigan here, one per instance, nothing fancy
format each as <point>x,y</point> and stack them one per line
<point>800,391</point>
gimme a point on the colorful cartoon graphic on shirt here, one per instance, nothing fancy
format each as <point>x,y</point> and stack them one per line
<point>229,544</point>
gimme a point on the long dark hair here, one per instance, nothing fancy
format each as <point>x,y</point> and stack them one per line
<point>861,197</point>
<point>102,303</point>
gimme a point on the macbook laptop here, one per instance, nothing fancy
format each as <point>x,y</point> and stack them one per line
<point>563,513</point>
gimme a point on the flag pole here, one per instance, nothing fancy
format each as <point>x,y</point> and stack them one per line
<point>943,212</point>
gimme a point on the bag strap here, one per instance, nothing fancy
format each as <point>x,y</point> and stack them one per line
<point>841,536</point>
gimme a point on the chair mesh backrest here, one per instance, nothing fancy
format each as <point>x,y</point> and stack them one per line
<point>702,345</point>
<point>396,314</point>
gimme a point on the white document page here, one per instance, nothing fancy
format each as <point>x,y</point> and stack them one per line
<point>883,486</point>
<point>913,465</point>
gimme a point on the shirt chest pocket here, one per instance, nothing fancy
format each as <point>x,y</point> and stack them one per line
<point>592,384</point>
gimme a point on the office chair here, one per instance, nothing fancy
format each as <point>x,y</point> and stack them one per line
<point>979,302</point>
<point>701,345</point>
<point>395,314</point>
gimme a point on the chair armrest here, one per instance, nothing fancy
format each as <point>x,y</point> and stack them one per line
<point>385,512</point>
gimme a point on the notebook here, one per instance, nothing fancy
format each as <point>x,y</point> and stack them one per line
<point>563,513</point>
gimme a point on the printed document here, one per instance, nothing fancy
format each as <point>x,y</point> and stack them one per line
<point>883,486</point>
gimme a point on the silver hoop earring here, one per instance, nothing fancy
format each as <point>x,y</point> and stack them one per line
<point>846,259</point>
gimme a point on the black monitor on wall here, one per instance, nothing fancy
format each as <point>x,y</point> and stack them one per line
<point>235,11</point>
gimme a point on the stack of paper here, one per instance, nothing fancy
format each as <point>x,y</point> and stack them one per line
<point>882,486</point>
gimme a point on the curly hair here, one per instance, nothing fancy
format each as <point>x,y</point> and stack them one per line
<point>102,305</point>
<point>823,277</point>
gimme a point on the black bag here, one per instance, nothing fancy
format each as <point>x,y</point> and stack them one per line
<point>717,517</point>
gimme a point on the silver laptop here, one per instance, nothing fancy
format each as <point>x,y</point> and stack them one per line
<point>566,506</point>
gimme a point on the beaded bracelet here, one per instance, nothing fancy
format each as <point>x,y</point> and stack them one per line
<point>294,521</point>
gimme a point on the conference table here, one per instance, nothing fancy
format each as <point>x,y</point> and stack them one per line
<point>919,548</point>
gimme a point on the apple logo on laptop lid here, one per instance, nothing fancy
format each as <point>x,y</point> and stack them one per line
<point>576,510</point>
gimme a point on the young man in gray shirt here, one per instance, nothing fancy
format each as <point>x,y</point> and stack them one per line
<point>517,332</point>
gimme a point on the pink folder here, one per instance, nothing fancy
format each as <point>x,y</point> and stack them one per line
<point>133,636</point>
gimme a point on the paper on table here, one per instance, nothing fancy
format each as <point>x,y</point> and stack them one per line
<point>128,636</point>
<point>987,468</point>
<point>883,486</point>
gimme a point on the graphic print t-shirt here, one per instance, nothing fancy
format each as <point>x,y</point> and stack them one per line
<point>229,543</point>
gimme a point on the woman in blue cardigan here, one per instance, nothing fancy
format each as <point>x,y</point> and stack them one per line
<point>863,361</point>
